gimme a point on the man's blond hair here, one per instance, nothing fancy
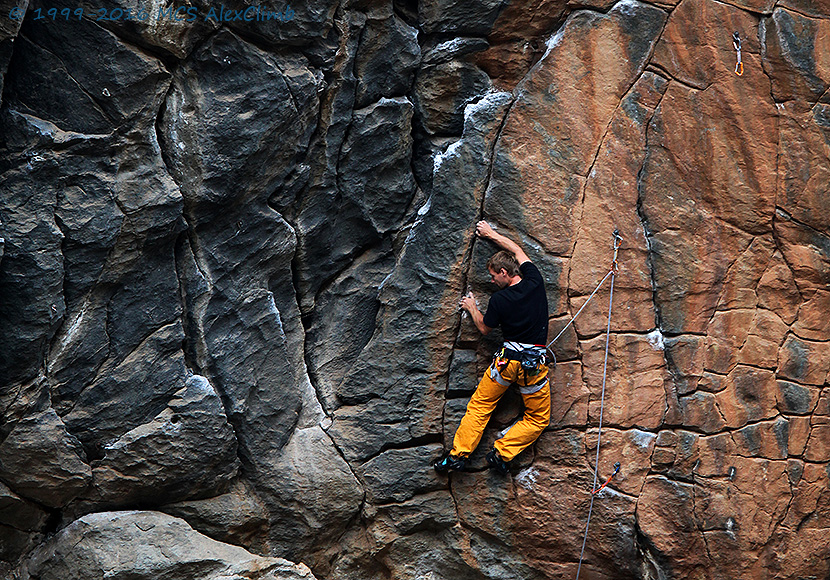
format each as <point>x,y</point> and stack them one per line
<point>506,260</point>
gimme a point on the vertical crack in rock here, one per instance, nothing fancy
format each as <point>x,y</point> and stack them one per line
<point>670,367</point>
<point>468,255</point>
<point>696,515</point>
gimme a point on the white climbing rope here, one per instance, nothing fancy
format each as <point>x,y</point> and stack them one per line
<point>612,273</point>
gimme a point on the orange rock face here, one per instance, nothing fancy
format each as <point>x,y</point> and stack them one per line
<point>716,399</point>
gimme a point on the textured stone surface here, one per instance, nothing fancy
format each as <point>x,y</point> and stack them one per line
<point>188,450</point>
<point>22,524</point>
<point>237,517</point>
<point>387,58</point>
<point>231,258</point>
<point>446,82</point>
<point>160,546</point>
<point>43,462</point>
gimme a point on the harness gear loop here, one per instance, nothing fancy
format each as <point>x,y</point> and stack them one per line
<point>736,42</point>
<point>617,241</point>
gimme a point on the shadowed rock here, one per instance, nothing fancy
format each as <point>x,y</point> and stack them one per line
<point>42,462</point>
<point>187,451</point>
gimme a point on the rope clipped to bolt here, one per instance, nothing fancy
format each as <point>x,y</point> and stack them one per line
<point>617,243</point>
<point>594,489</point>
<point>736,42</point>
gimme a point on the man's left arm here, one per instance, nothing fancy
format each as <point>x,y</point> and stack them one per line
<point>468,303</point>
<point>486,231</point>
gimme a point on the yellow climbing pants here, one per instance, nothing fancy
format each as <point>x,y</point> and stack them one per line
<point>493,384</point>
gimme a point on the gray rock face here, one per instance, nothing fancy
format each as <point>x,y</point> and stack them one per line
<point>374,172</point>
<point>8,31</point>
<point>398,474</point>
<point>59,80</point>
<point>457,17</point>
<point>187,451</point>
<point>43,462</point>
<point>445,84</point>
<point>237,517</point>
<point>387,58</point>
<point>131,393</point>
<point>390,395</point>
<point>333,349</point>
<point>21,525</point>
<point>310,473</point>
<point>160,546</point>
<point>227,79</point>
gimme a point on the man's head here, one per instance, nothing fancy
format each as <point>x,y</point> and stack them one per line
<point>503,266</point>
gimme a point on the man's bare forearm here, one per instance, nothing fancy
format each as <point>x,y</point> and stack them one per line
<point>505,242</point>
<point>478,320</point>
<point>484,230</point>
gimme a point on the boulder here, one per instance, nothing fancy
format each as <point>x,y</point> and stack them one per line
<point>148,545</point>
<point>42,462</point>
<point>187,451</point>
<point>237,517</point>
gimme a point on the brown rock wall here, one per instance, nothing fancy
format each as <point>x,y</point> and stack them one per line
<point>285,214</point>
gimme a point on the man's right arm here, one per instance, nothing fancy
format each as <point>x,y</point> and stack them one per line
<point>468,303</point>
<point>484,230</point>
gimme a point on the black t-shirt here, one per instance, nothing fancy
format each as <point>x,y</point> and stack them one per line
<point>521,309</point>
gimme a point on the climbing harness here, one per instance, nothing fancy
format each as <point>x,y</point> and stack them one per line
<point>594,489</point>
<point>531,359</point>
<point>736,42</point>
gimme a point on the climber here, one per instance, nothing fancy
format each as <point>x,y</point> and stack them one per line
<point>520,307</point>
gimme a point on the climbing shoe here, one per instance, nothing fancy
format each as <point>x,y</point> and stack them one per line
<point>450,463</point>
<point>496,463</point>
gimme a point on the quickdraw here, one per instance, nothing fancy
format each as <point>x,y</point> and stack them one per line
<point>736,42</point>
<point>610,477</point>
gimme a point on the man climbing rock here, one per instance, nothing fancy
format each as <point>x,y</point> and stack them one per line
<point>520,307</point>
